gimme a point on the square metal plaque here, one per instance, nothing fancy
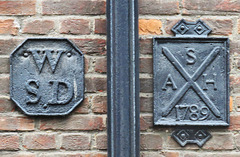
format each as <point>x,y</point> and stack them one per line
<point>191,81</point>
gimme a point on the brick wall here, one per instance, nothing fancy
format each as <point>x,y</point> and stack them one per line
<point>156,19</point>
<point>83,132</point>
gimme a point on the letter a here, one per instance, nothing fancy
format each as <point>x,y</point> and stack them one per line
<point>169,82</point>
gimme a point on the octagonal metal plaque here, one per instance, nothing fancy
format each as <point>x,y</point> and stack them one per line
<point>191,77</point>
<point>47,76</point>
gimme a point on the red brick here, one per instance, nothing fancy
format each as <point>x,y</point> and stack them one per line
<point>146,122</point>
<point>220,154</point>
<point>171,154</point>
<point>8,45</point>
<point>87,62</point>
<point>39,141</point>
<point>235,83</point>
<point>77,122</point>
<point>17,7</point>
<point>16,123</point>
<point>100,26</point>
<point>94,84</point>
<point>4,85</point>
<point>75,26</point>
<point>4,62</point>
<point>234,122</point>
<point>200,7</point>
<point>220,142</point>
<point>151,142</point>
<point>8,26</point>
<point>91,46</point>
<point>9,141</point>
<point>159,7</point>
<point>101,65</point>
<point>101,141</point>
<point>62,154</point>
<point>146,85</point>
<point>146,65</point>
<point>219,27</point>
<point>73,7</point>
<point>146,104</point>
<point>145,46</point>
<point>76,142</point>
<point>83,107</point>
<point>38,27</point>
<point>99,104</point>
<point>6,105</point>
<point>13,154</point>
<point>150,27</point>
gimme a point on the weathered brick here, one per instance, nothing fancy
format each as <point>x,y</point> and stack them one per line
<point>146,65</point>
<point>234,83</point>
<point>237,103</point>
<point>146,85</point>
<point>220,142</point>
<point>73,7</point>
<point>100,26</point>
<point>101,65</point>
<point>99,104</point>
<point>146,104</point>
<point>38,27</point>
<point>39,141</point>
<point>9,123</point>
<point>220,154</point>
<point>8,45</point>
<point>151,142</point>
<point>171,144</point>
<point>4,85</point>
<point>91,46</point>
<point>230,103</point>
<point>219,26</point>
<point>78,122</point>
<point>145,46</point>
<point>237,140</point>
<point>8,26</point>
<point>4,62</point>
<point>83,107</point>
<point>150,26</point>
<point>75,26</point>
<point>6,105</point>
<point>94,84</point>
<point>203,6</point>
<point>171,154</point>
<point>146,122</point>
<point>63,154</point>
<point>234,122</point>
<point>17,154</point>
<point>9,141</point>
<point>159,7</point>
<point>101,141</point>
<point>151,154</point>
<point>76,142</point>
<point>17,7</point>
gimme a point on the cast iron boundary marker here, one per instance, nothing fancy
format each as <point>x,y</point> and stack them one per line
<point>123,78</point>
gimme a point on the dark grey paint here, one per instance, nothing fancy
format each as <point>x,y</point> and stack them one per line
<point>47,76</point>
<point>191,135</point>
<point>191,78</point>
<point>123,78</point>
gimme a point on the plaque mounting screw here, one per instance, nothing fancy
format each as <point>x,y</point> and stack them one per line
<point>25,54</point>
<point>69,54</point>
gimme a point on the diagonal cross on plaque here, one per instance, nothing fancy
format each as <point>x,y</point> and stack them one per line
<point>190,81</point>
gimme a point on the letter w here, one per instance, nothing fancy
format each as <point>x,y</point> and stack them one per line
<point>46,54</point>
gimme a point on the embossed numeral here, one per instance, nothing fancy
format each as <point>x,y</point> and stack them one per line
<point>195,113</point>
